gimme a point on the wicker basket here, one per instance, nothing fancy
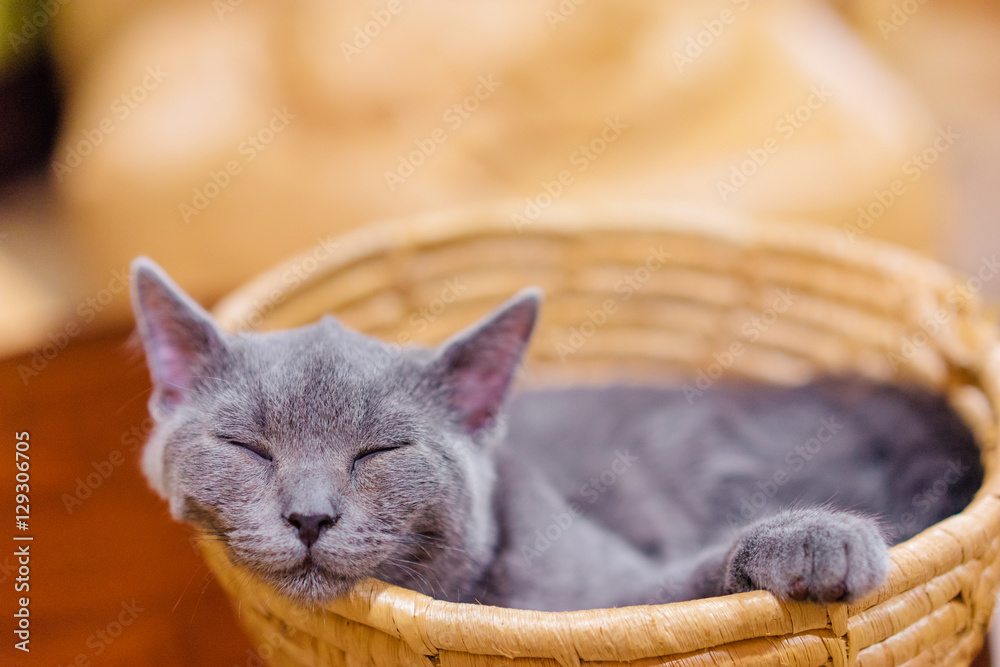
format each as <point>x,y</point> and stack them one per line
<point>699,278</point>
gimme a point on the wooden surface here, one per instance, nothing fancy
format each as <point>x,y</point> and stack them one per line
<point>118,547</point>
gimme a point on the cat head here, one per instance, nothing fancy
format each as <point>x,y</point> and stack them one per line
<point>320,456</point>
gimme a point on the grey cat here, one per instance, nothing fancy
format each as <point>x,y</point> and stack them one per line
<point>321,456</point>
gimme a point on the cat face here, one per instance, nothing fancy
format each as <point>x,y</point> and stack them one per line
<point>320,456</point>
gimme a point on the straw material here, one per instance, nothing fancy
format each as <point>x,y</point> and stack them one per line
<point>656,294</point>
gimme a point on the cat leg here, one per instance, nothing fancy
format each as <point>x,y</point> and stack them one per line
<point>810,554</point>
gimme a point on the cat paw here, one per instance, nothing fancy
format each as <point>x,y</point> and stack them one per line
<point>819,555</point>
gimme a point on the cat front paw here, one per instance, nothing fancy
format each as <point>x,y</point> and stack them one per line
<point>819,555</point>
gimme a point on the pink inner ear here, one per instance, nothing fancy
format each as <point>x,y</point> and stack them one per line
<point>477,394</point>
<point>479,366</point>
<point>178,343</point>
<point>173,370</point>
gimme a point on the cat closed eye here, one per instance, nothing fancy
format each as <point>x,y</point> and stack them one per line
<point>253,449</point>
<point>366,456</point>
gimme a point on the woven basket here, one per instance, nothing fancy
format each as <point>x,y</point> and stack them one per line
<point>857,305</point>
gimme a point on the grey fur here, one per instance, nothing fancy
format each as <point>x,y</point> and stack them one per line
<point>592,498</point>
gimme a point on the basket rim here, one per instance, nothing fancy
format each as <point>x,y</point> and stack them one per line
<point>566,219</point>
<point>387,607</point>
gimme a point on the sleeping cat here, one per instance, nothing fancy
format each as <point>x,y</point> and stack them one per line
<point>321,456</point>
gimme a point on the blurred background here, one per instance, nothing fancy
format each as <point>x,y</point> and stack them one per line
<point>221,137</point>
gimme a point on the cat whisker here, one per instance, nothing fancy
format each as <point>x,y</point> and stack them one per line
<point>208,580</point>
<point>186,586</point>
<point>211,377</point>
<point>408,567</point>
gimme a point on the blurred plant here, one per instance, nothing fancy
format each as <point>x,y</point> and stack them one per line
<point>20,34</point>
<point>29,104</point>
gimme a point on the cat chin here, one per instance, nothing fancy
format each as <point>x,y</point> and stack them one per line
<point>311,586</point>
<point>307,582</point>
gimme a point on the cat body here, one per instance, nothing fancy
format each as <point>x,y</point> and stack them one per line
<point>320,456</point>
<point>665,488</point>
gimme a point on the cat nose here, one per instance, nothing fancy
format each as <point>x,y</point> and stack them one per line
<point>311,526</point>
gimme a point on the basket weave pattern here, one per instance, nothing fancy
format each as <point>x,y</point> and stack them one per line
<point>685,293</point>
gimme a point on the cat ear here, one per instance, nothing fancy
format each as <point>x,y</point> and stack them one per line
<point>179,336</point>
<point>476,366</point>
